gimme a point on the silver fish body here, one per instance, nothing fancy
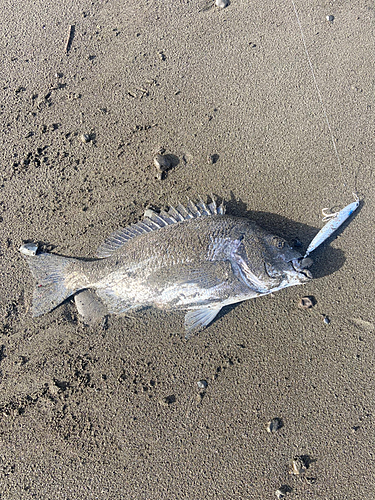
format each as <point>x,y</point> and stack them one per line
<point>194,258</point>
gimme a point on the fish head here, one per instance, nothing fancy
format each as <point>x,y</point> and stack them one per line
<point>267,262</point>
<point>285,263</point>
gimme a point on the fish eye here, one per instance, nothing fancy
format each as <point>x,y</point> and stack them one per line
<point>278,242</point>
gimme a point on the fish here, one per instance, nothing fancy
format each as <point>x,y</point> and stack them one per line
<point>195,258</point>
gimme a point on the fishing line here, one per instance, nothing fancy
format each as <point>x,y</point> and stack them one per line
<point>320,95</point>
<point>333,220</point>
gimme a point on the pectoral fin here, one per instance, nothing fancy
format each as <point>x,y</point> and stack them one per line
<point>198,319</point>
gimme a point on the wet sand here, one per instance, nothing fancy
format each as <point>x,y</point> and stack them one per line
<point>116,412</point>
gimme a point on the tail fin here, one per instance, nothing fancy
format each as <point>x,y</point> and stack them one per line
<point>50,272</point>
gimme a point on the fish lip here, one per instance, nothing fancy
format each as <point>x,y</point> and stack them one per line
<point>295,268</point>
<point>304,273</point>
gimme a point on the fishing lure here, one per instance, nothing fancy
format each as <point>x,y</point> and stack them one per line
<point>334,222</point>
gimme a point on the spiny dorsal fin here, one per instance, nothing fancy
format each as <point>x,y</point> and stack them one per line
<point>155,221</point>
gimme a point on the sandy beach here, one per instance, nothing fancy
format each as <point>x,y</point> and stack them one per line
<point>91,92</point>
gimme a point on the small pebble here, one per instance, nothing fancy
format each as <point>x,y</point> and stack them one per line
<point>274,425</point>
<point>282,491</point>
<point>168,400</point>
<point>53,388</point>
<point>298,466</point>
<point>202,384</point>
<point>29,249</point>
<point>306,303</point>
<point>330,19</point>
<point>221,3</point>
<point>326,320</point>
<point>212,159</point>
<point>85,138</point>
<point>162,162</point>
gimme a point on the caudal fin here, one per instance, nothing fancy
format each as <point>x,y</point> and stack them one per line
<point>50,272</point>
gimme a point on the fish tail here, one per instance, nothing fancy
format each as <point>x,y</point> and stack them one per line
<point>52,287</point>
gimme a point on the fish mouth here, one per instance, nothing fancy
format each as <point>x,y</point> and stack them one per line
<point>300,266</point>
<point>296,270</point>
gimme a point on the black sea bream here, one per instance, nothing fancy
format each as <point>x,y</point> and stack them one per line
<point>195,258</point>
